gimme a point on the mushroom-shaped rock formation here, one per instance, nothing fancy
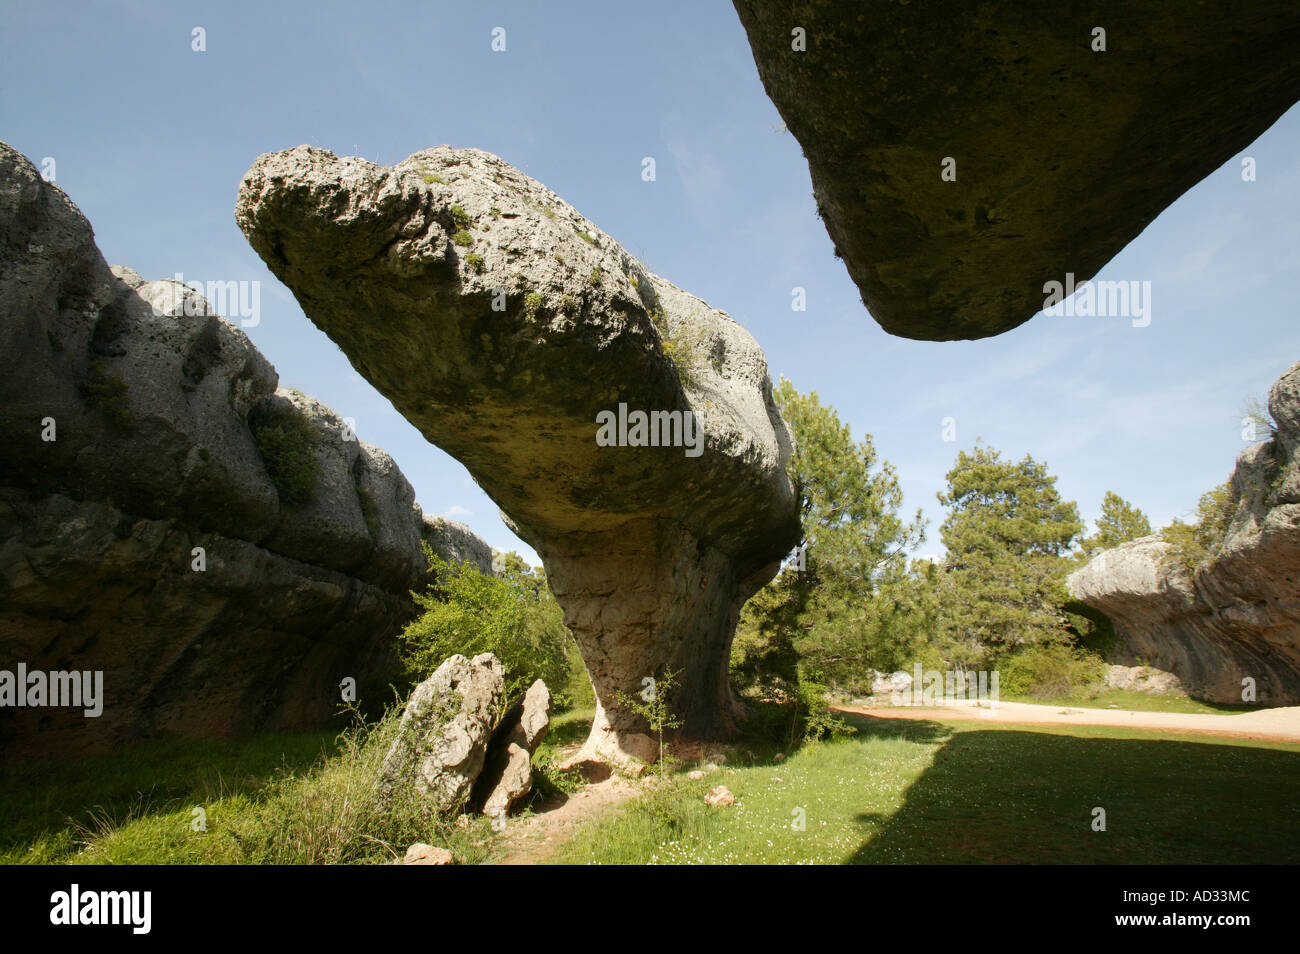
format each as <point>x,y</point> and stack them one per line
<point>1236,616</point>
<point>1064,141</point>
<point>626,429</point>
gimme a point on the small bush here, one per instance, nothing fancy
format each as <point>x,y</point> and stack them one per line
<point>533,302</point>
<point>288,448</point>
<point>106,387</point>
<point>460,217</point>
<point>474,261</point>
<point>1197,543</point>
<point>1049,671</point>
<point>514,616</point>
<point>818,723</point>
<point>684,350</point>
<point>463,238</point>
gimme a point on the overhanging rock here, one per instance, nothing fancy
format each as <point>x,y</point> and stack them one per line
<point>505,326</point>
<point>1062,153</point>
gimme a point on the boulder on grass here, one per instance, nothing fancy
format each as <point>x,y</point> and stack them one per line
<point>442,739</point>
<point>507,775</point>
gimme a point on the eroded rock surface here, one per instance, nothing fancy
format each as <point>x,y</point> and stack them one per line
<point>1236,617</point>
<point>508,773</point>
<point>129,421</point>
<point>1142,679</point>
<point>442,738</point>
<point>1062,153</point>
<point>501,323</point>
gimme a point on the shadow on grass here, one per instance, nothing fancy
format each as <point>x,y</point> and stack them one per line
<point>1011,796</point>
<point>40,800</point>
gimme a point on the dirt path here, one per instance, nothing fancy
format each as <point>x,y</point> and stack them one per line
<point>534,838</point>
<point>1272,725</point>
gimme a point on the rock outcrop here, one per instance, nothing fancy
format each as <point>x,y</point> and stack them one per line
<point>1062,152</point>
<point>443,734</point>
<point>507,774</point>
<point>510,331</point>
<point>1142,679</point>
<point>224,552</point>
<point>1237,616</point>
<point>458,543</point>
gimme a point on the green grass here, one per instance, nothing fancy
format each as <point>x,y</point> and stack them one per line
<point>43,804</point>
<point>928,792</point>
<point>1137,701</point>
<point>271,799</point>
<point>896,791</point>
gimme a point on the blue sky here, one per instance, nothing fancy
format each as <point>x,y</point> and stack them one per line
<point>151,139</point>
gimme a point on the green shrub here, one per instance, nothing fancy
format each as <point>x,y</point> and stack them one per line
<point>288,447</point>
<point>814,711</point>
<point>685,350</point>
<point>106,387</point>
<point>369,510</point>
<point>514,616</point>
<point>1197,543</point>
<point>533,302</point>
<point>463,238</point>
<point>460,217</point>
<point>1048,671</point>
<point>474,261</point>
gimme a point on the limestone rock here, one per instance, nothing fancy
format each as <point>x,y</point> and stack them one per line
<point>888,683</point>
<point>442,737</point>
<point>456,542</point>
<point>422,854</point>
<point>1062,153</point>
<point>1238,616</point>
<point>148,539</point>
<point>505,326</point>
<point>258,641</point>
<point>1142,679</point>
<point>507,774</point>
<point>719,797</point>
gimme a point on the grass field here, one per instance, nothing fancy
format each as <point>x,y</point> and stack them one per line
<point>892,792</point>
<point>282,798</point>
<point>926,792</point>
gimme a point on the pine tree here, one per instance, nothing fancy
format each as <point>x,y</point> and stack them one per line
<point>1006,536</point>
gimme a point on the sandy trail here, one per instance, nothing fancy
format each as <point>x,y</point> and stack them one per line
<point>534,838</point>
<point>1272,725</point>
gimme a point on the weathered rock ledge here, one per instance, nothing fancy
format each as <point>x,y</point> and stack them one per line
<point>501,323</point>
<point>141,531</point>
<point>1236,617</point>
<point>1062,153</point>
